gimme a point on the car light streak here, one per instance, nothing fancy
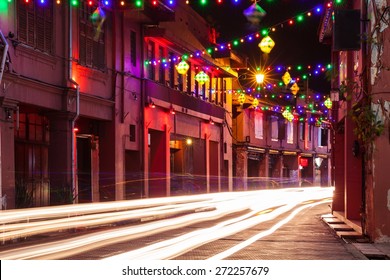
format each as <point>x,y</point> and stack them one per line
<point>179,245</point>
<point>223,204</point>
<point>262,234</point>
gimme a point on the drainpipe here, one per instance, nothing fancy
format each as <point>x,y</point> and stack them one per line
<point>145,189</point>
<point>365,77</point>
<point>77,87</point>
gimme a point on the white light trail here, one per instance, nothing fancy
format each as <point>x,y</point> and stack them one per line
<point>251,203</point>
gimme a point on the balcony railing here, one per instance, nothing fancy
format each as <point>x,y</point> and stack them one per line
<point>175,97</point>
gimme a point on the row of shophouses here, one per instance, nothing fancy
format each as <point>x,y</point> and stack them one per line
<point>93,108</point>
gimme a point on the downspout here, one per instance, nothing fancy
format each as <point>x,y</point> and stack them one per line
<point>365,77</point>
<point>145,191</point>
<point>77,87</point>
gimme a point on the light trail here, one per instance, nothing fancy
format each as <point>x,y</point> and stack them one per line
<point>262,234</point>
<point>181,244</point>
<point>223,204</point>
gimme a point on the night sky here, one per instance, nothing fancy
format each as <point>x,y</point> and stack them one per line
<point>296,44</point>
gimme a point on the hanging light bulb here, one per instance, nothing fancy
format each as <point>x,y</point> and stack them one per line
<point>266,44</point>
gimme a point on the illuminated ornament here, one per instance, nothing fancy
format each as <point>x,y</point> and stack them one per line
<point>286,78</point>
<point>241,99</point>
<point>182,67</point>
<point>328,103</point>
<point>266,44</point>
<point>202,78</point>
<point>288,116</point>
<point>97,18</point>
<point>254,14</point>
<point>255,102</point>
<point>294,89</point>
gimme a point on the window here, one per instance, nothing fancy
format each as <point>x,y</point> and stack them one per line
<point>258,125</point>
<point>274,129</point>
<point>322,137</point>
<point>171,72</point>
<point>132,133</point>
<point>92,47</point>
<point>133,48</point>
<point>151,57</point>
<point>161,69</point>
<point>301,131</point>
<point>35,25</point>
<point>290,132</point>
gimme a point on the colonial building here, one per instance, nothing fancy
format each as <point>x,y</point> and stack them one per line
<point>94,109</point>
<point>272,150</point>
<point>358,31</point>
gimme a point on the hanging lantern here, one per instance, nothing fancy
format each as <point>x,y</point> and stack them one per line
<point>286,78</point>
<point>202,78</point>
<point>294,89</point>
<point>241,98</point>
<point>254,14</point>
<point>182,67</point>
<point>266,44</point>
<point>328,103</point>
<point>255,102</point>
<point>97,19</point>
<point>288,116</point>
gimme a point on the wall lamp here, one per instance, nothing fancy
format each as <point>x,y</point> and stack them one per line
<point>150,103</point>
<point>211,121</point>
<point>172,110</point>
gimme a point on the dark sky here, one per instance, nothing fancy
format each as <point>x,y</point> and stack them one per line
<point>296,44</point>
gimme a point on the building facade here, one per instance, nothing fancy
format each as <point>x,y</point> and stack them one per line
<point>360,138</point>
<point>93,108</point>
<point>272,151</point>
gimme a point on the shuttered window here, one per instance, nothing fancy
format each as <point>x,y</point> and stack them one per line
<point>35,25</point>
<point>91,39</point>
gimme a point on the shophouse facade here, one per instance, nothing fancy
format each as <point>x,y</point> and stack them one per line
<point>360,139</point>
<point>93,108</point>
<point>272,151</point>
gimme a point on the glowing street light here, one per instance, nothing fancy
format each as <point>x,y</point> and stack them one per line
<point>260,78</point>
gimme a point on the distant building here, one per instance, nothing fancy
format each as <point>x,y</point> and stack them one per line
<point>272,151</point>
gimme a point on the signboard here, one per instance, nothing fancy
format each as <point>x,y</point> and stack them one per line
<point>304,162</point>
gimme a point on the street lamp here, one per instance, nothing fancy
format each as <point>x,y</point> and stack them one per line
<point>259,78</point>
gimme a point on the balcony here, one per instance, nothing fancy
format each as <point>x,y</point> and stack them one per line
<point>156,90</point>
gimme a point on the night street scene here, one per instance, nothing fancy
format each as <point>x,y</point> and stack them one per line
<point>150,130</point>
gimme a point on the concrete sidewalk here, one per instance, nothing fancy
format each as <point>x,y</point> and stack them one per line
<point>351,233</point>
<point>305,237</point>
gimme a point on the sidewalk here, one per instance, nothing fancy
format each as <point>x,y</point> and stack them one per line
<point>305,237</point>
<point>351,233</point>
